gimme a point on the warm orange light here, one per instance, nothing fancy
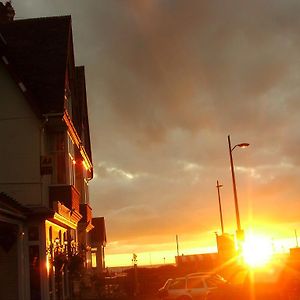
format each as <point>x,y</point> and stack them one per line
<point>48,263</point>
<point>257,251</point>
<point>85,165</point>
<point>94,260</point>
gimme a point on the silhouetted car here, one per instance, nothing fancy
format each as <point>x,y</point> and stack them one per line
<point>233,288</point>
<point>193,286</point>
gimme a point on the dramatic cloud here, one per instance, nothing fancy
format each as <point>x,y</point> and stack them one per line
<point>167,82</point>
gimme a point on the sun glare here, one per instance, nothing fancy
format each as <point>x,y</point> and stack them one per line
<point>257,251</point>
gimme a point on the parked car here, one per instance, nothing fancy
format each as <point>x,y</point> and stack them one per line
<point>233,289</point>
<point>193,286</point>
<point>271,283</point>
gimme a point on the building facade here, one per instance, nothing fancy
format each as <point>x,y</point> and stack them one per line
<point>45,159</point>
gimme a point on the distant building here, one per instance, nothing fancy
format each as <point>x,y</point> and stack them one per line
<point>45,158</point>
<point>203,262</point>
<point>226,247</point>
<point>294,258</point>
<point>98,243</point>
<point>197,262</point>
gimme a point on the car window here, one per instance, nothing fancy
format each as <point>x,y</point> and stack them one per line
<point>177,284</point>
<point>167,283</point>
<point>215,281</point>
<point>195,283</point>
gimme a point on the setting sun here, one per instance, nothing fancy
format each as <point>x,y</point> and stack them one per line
<point>257,251</point>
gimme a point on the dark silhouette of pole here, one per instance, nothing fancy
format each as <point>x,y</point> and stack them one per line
<point>135,275</point>
<point>237,213</point>
<point>177,245</point>
<point>220,206</point>
<point>236,205</point>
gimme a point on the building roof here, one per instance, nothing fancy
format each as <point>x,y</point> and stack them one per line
<point>11,207</point>
<point>41,56</point>
<point>38,49</point>
<point>80,111</point>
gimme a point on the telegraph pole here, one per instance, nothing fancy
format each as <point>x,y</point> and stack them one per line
<point>177,245</point>
<point>220,206</point>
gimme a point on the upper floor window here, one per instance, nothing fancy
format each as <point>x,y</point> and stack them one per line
<point>63,152</point>
<point>71,161</point>
<point>58,151</point>
<point>86,191</point>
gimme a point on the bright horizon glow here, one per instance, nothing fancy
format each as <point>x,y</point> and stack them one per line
<point>254,243</point>
<point>143,259</point>
<point>152,258</point>
<point>257,250</point>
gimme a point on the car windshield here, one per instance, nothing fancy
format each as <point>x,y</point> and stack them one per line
<point>215,281</point>
<point>195,283</point>
<point>167,283</point>
<point>178,283</point>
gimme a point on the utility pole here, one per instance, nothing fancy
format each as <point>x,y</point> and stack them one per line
<point>220,206</point>
<point>177,245</point>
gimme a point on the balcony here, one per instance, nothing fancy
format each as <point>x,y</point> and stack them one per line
<point>65,194</point>
<point>86,212</point>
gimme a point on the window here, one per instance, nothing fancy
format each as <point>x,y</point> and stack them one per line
<point>195,283</point>
<point>50,234</point>
<point>94,260</point>
<point>177,284</point>
<point>60,161</point>
<point>215,281</point>
<point>86,191</point>
<point>71,161</point>
<point>57,145</point>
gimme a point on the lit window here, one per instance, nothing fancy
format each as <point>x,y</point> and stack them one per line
<point>94,260</point>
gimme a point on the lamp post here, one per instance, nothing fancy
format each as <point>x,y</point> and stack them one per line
<point>239,231</point>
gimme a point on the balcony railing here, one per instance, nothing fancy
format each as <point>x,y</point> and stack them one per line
<point>86,212</point>
<point>65,194</point>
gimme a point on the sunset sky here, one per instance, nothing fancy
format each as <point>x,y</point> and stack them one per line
<point>167,81</point>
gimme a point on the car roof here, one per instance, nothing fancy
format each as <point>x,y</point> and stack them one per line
<point>200,274</point>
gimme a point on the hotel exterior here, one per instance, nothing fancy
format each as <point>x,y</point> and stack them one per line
<point>45,159</point>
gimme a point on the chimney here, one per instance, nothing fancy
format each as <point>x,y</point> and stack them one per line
<point>7,12</point>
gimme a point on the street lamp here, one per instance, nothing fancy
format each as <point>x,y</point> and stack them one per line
<point>239,231</point>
